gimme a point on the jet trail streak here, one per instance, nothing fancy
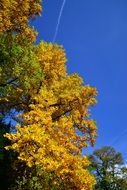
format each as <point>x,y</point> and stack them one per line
<point>58,22</point>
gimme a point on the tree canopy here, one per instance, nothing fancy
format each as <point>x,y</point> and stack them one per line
<point>109,169</point>
<point>50,106</point>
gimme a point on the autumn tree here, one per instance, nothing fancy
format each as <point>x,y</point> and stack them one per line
<point>51,108</point>
<point>109,168</point>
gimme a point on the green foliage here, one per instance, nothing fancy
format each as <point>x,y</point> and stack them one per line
<point>108,167</point>
<point>30,179</point>
<point>20,73</point>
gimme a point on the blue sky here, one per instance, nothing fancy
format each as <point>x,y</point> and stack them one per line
<point>94,35</point>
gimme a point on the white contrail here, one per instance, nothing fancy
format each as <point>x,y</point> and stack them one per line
<point>58,22</point>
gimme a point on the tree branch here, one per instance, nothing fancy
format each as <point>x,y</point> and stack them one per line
<point>57,116</point>
<point>9,82</point>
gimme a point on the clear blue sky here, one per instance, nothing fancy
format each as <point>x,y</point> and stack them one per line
<point>94,35</point>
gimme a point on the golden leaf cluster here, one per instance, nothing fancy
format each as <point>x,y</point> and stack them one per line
<point>55,124</point>
<point>15,16</point>
<point>58,124</point>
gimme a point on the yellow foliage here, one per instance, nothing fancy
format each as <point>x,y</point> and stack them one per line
<point>56,118</point>
<point>15,16</point>
<point>48,149</point>
<point>58,125</point>
<point>52,60</point>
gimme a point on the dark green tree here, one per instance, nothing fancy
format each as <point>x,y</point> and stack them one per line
<point>108,167</point>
